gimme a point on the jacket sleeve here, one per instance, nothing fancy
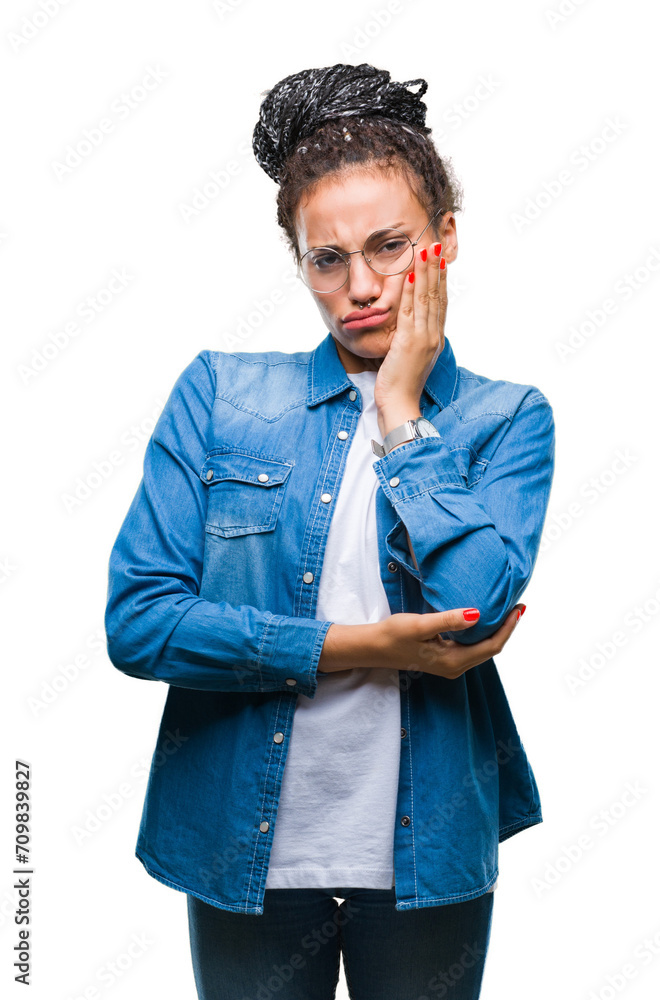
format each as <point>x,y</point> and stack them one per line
<point>157,627</point>
<point>475,547</point>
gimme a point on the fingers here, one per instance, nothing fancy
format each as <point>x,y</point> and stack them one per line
<point>454,620</point>
<point>421,304</point>
<point>462,656</point>
<point>430,294</point>
<point>459,618</point>
<point>406,303</point>
<point>504,631</point>
<point>435,251</point>
<point>479,652</point>
<point>438,282</point>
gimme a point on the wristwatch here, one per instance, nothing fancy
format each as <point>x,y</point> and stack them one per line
<point>411,429</point>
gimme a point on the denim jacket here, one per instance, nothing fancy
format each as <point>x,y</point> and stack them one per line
<point>213,584</point>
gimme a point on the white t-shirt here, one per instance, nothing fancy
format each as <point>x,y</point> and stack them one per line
<point>337,810</point>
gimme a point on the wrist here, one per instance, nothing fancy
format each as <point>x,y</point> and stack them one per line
<point>393,417</point>
<point>347,646</point>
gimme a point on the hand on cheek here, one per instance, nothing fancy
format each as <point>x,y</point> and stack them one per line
<point>418,337</point>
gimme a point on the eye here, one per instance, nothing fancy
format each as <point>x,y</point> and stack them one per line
<point>393,246</point>
<point>326,260</point>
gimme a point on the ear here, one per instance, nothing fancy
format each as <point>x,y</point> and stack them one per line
<point>448,237</point>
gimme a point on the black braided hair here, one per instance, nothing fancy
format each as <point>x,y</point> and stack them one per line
<point>325,120</point>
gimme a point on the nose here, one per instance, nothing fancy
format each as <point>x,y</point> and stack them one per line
<point>363,283</point>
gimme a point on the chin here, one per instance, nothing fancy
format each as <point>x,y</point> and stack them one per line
<point>377,342</point>
<point>366,336</point>
<point>367,345</point>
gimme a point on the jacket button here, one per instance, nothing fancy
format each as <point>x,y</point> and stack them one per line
<point>278,737</point>
<point>352,394</point>
<point>262,477</point>
<point>290,680</point>
<point>405,821</point>
<point>395,481</point>
<point>308,577</point>
<point>264,826</point>
<point>404,732</point>
<point>326,497</point>
<point>209,474</point>
<point>392,566</point>
<point>343,435</point>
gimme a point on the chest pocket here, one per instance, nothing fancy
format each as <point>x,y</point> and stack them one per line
<point>245,493</point>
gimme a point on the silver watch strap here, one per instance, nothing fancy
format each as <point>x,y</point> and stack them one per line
<point>404,432</point>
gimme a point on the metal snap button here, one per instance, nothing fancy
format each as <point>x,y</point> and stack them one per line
<point>264,826</point>
<point>392,566</point>
<point>326,497</point>
<point>405,821</point>
<point>209,474</point>
<point>352,394</point>
<point>291,681</point>
<point>343,435</point>
<point>404,733</point>
<point>395,481</point>
<point>263,478</point>
<point>278,737</point>
<point>308,577</point>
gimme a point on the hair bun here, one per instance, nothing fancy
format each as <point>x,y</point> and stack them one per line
<point>299,103</point>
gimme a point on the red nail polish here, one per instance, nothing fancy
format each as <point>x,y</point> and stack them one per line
<point>471,614</point>
<point>422,253</point>
<point>443,263</point>
<point>437,248</point>
<point>411,277</point>
<point>522,610</point>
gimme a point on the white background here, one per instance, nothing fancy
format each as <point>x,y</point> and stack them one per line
<point>519,293</point>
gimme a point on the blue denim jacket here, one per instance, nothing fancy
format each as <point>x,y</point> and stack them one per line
<point>213,585</point>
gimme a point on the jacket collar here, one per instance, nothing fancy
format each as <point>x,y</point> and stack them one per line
<point>326,375</point>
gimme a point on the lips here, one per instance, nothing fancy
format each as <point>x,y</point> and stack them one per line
<point>364,314</point>
<point>374,318</point>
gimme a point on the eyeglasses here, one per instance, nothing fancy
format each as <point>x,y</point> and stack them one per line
<point>387,251</point>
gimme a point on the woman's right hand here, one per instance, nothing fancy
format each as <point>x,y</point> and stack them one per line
<point>406,641</point>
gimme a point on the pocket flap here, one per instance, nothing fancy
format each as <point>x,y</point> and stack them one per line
<point>222,465</point>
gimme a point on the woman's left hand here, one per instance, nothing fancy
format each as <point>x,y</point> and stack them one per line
<point>418,340</point>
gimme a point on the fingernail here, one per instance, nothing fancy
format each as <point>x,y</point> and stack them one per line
<point>411,277</point>
<point>518,616</point>
<point>522,610</point>
<point>443,264</point>
<point>471,614</point>
<point>437,249</point>
<point>422,253</point>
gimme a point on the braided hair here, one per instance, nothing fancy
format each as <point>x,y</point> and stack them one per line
<point>327,120</point>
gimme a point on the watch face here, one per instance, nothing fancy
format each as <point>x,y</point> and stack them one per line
<point>426,428</point>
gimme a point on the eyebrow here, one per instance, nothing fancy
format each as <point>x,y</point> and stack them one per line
<point>334,246</point>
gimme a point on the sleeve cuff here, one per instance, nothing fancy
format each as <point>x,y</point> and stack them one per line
<point>416,467</point>
<point>290,652</point>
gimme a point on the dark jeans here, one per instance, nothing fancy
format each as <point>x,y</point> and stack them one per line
<point>292,950</point>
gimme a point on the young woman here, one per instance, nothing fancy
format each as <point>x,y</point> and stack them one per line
<point>325,551</point>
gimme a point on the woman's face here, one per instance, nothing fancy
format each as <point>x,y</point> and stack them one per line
<point>342,213</point>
